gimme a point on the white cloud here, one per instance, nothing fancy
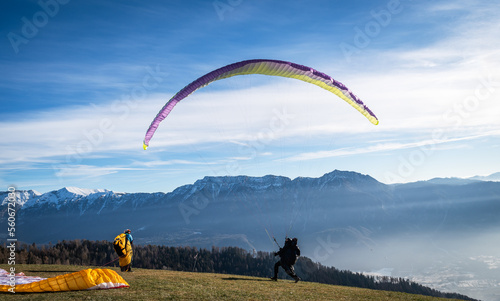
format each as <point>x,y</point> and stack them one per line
<point>451,83</point>
<point>429,144</point>
<point>159,163</point>
<point>86,171</point>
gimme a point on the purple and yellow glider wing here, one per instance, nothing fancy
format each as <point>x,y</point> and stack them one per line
<point>265,67</point>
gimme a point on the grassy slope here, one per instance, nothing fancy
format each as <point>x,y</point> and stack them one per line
<point>170,285</point>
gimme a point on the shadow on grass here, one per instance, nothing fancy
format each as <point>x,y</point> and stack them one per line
<point>246,279</point>
<point>46,271</point>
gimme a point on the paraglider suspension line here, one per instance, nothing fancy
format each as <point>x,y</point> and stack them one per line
<point>276,242</point>
<point>110,262</point>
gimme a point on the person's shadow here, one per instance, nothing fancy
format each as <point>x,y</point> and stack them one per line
<point>245,279</point>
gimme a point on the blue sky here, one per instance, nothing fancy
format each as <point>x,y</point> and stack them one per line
<point>82,80</point>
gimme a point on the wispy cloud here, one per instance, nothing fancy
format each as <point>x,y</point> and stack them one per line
<point>160,163</point>
<point>434,144</point>
<point>87,171</point>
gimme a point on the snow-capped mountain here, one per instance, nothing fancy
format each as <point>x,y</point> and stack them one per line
<point>224,204</point>
<point>493,177</point>
<point>22,197</point>
<point>63,196</point>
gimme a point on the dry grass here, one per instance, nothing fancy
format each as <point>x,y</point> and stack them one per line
<point>170,285</point>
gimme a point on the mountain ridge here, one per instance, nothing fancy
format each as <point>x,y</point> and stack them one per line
<point>330,176</point>
<point>269,196</point>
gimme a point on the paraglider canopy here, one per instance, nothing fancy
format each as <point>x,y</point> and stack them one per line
<point>89,279</point>
<point>266,67</point>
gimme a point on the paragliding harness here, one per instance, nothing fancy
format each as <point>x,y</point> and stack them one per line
<point>287,253</point>
<point>120,244</point>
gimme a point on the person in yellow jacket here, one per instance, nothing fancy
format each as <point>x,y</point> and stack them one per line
<point>123,244</point>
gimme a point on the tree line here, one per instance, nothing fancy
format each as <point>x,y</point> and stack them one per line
<point>224,260</point>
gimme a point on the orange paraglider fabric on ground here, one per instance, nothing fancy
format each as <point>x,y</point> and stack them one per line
<point>82,280</point>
